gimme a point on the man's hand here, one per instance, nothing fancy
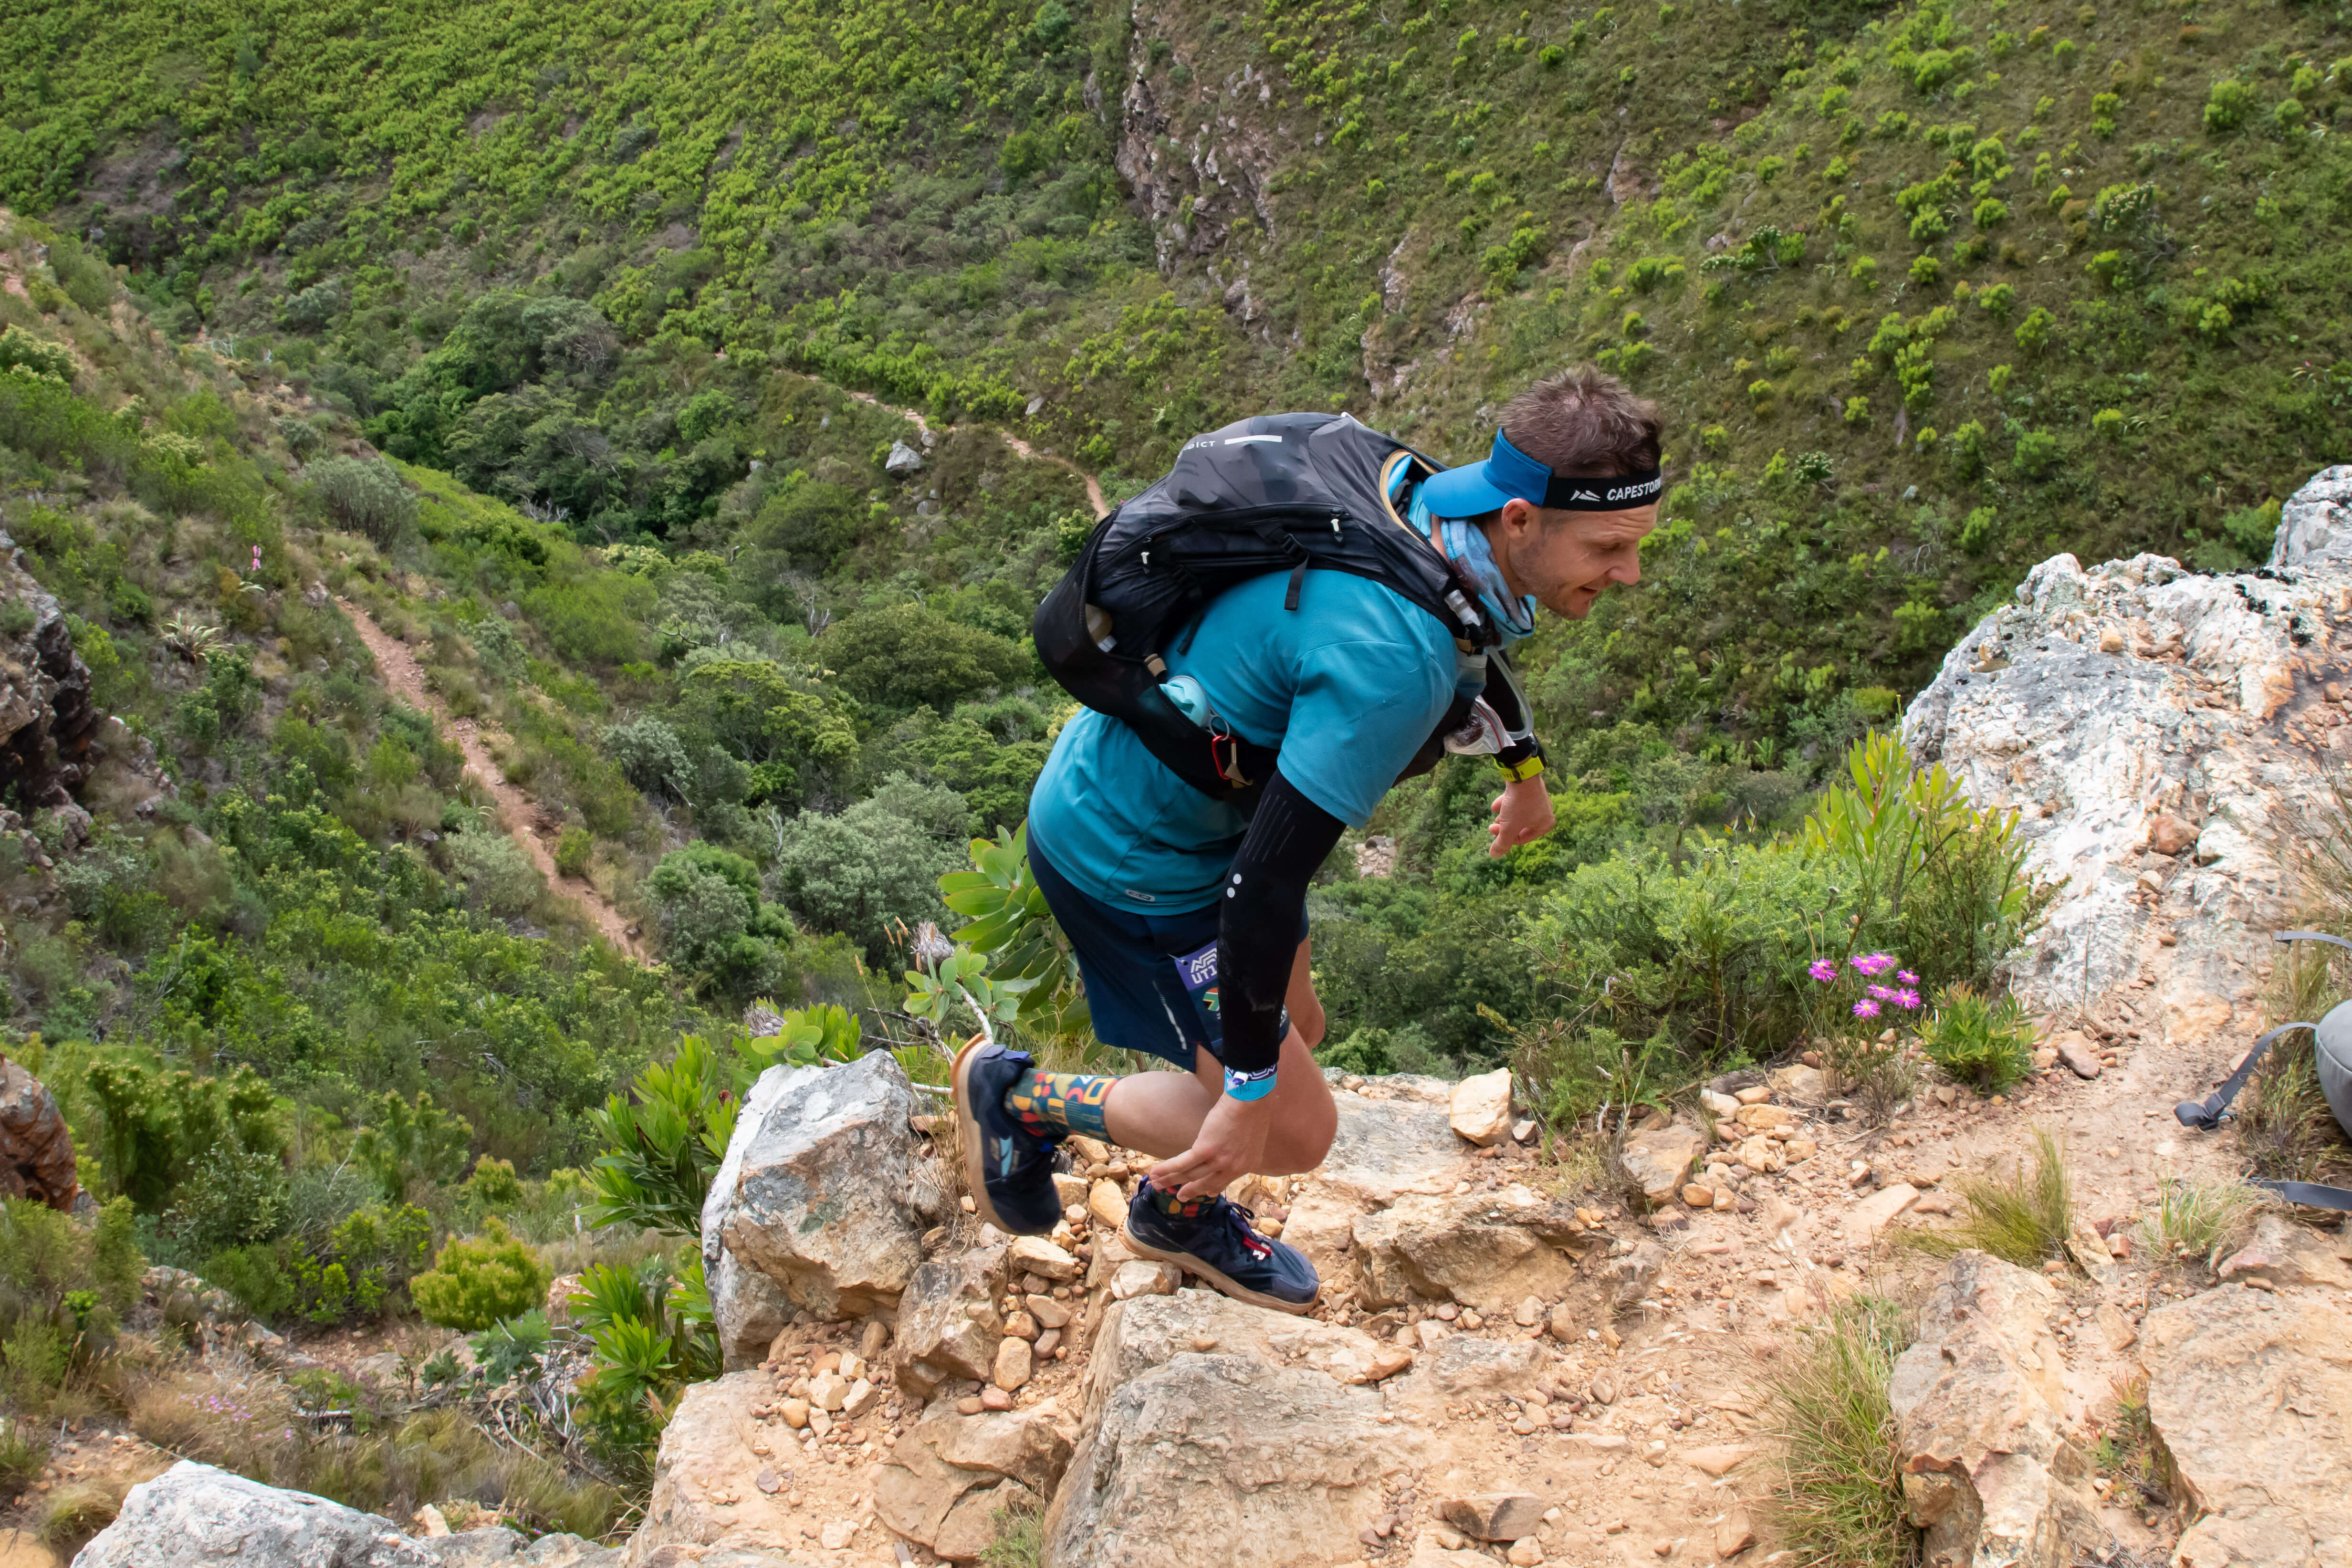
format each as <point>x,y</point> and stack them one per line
<point>1522,815</point>
<point>1229,1146</point>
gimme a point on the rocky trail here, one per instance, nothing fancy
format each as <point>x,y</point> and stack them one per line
<point>1021,448</point>
<point>521,815</point>
<point>1509,1367</point>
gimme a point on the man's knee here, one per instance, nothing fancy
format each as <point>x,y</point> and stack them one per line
<point>1309,1022</point>
<point>1304,1140</point>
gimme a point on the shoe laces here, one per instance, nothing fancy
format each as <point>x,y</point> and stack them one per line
<point>1245,1219</point>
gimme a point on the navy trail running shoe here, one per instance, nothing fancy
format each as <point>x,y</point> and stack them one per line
<point>1009,1168</point>
<point>1216,1241</point>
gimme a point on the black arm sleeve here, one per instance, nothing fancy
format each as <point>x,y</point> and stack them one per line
<point>1257,933</point>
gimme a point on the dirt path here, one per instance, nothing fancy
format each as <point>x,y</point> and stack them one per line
<point>1020,449</point>
<point>517,812</point>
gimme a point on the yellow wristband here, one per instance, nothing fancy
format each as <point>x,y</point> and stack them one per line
<point>1525,769</point>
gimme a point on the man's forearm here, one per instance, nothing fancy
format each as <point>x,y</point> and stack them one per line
<point>1257,930</point>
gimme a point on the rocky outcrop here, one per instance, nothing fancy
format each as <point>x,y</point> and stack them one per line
<point>2154,727</point>
<point>1280,1462</point>
<point>720,1479</point>
<point>194,1516</point>
<point>1987,1469</point>
<point>37,1151</point>
<point>2251,1392</point>
<point>1491,1252</point>
<point>822,1201</point>
<point>946,1478</point>
<point>48,725</point>
<point>1193,167</point>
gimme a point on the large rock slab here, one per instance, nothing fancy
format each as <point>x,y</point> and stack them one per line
<point>194,1515</point>
<point>825,1194</point>
<point>706,1492</point>
<point>946,1478</point>
<point>1489,1250</point>
<point>1150,1331</point>
<point>1383,1148</point>
<point>2284,1253</point>
<point>37,1151</point>
<point>1461,1367</point>
<point>1277,1464</point>
<point>2155,729</point>
<point>2251,1397</point>
<point>1987,1471</point>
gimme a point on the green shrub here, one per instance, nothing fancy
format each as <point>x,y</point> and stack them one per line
<point>479,1281</point>
<point>2107,424</point>
<point>574,847</point>
<point>2033,332</point>
<point>2037,456</point>
<point>367,497</point>
<point>493,1184</point>
<point>2228,106</point>
<point>496,872</point>
<point>1986,1044</point>
<point>404,1144</point>
<point>31,354</point>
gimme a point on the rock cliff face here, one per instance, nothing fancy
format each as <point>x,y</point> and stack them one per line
<point>48,725</point>
<point>2157,730</point>
<point>37,1151</point>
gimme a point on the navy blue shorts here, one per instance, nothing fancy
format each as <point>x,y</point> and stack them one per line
<point>1151,980</point>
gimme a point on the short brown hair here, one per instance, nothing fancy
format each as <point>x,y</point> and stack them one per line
<point>1585,423</point>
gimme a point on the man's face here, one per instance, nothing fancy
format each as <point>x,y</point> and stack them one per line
<point>1566,558</point>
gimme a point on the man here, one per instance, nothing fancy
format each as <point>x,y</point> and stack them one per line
<point>1164,892</point>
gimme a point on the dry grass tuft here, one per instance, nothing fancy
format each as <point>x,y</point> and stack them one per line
<point>2019,1215</point>
<point>1838,1500</point>
<point>2201,1220</point>
<point>70,1515</point>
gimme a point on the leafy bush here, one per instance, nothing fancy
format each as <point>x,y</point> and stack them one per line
<point>32,354</point>
<point>909,654</point>
<point>364,496</point>
<point>498,874</point>
<point>479,1281</point>
<point>405,1145</point>
<point>574,847</point>
<point>1983,1043</point>
<point>2228,106</point>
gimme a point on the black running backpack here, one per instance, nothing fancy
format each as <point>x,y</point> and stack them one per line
<point>1280,492</point>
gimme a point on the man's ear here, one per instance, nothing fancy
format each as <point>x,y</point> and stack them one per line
<point>1520,515</point>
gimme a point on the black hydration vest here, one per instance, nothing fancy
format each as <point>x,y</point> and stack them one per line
<point>1280,492</point>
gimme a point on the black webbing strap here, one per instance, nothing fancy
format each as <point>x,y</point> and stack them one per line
<point>2210,1112</point>
<point>2310,1193</point>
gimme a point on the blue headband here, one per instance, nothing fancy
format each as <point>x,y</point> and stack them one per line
<point>1509,474</point>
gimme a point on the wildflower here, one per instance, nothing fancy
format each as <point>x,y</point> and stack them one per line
<point>1822,970</point>
<point>1866,1008</point>
<point>1884,993</point>
<point>1875,963</point>
<point>1906,976</point>
<point>1907,998</point>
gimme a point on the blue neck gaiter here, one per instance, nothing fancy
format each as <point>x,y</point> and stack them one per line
<point>1514,616</point>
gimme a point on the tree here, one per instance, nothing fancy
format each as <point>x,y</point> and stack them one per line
<point>908,655</point>
<point>876,867</point>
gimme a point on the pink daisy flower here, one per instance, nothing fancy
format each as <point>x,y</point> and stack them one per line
<point>1822,970</point>
<point>1866,1008</point>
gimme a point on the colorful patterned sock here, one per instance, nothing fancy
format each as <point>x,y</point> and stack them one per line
<point>1170,1204</point>
<point>1051,1103</point>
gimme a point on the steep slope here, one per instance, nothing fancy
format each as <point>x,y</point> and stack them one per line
<point>1930,290</point>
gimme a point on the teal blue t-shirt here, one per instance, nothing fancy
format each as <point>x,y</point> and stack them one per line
<point>1349,686</point>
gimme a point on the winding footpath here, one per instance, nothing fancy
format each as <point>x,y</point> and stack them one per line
<point>1020,449</point>
<point>517,812</point>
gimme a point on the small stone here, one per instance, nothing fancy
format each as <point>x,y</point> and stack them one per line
<point>1048,1313</point>
<point>994,1398</point>
<point>2168,835</point>
<point>1662,1548</point>
<point>1796,1151</point>
<point>2078,1056</point>
<point>1523,1131</point>
<point>973,1403</point>
<point>873,1339</point>
<point>1719,1459</point>
<point>1021,1326</point>
<point>1563,1324</point>
<point>1387,1363</point>
<point>1049,1344</point>
<point>1041,1258</point>
<point>1012,1364</point>
<point>795,1413</point>
<point>1698,1195</point>
<point>768,1481</point>
<point>1070,1189</point>
<point>1735,1534</point>
<point>1107,1204</point>
<point>1144,1276</point>
<point>860,1397</point>
<point>1479,1109</point>
<point>1530,1313</point>
<point>1754,1094</point>
<point>1525,1553</point>
<point>1432,1332</point>
<point>2110,640</point>
<point>828,1390</point>
<point>968,1205</point>
<point>1494,1516</point>
<point>837,1534</point>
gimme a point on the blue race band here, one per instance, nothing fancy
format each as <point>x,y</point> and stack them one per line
<point>1249,1084</point>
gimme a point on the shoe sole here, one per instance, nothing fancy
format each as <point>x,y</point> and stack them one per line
<point>1222,1281</point>
<point>975,1153</point>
